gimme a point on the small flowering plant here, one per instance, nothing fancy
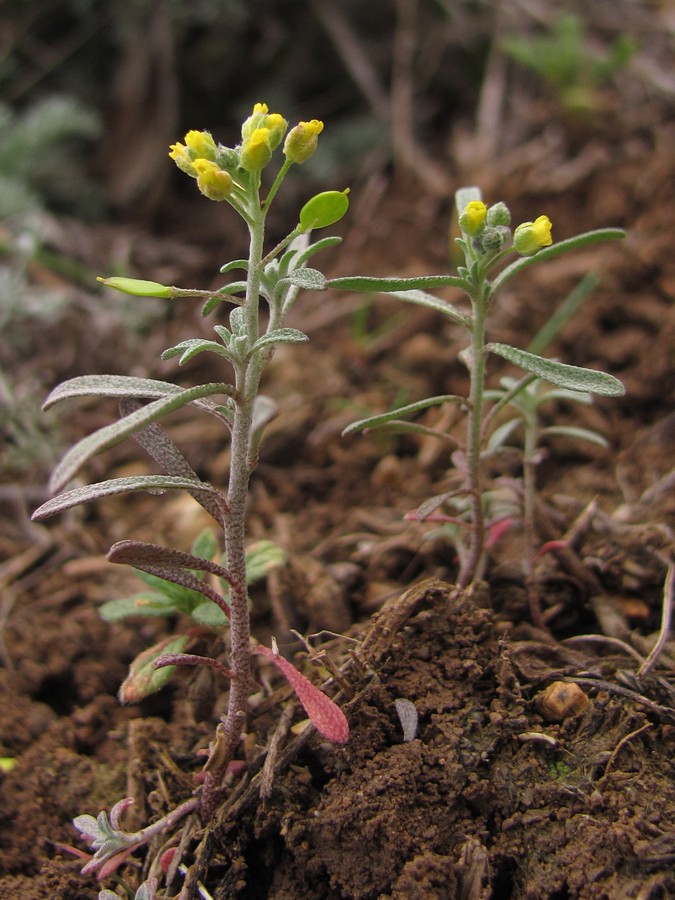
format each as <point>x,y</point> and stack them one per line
<point>258,306</point>
<point>488,244</point>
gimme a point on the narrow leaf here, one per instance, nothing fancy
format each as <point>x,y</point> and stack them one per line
<point>193,347</point>
<point>113,434</point>
<point>152,483</point>
<point>575,378</point>
<point>421,298</point>
<point>235,264</point>
<point>368,284</point>
<point>573,243</point>
<point>280,336</point>
<point>140,553</point>
<point>582,434</point>
<point>308,252</point>
<point>124,386</point>
<point>159,446</point>
<point>567,309</point>
<point>501,434</point>
<point>393,414</point>
<point>324,714</point>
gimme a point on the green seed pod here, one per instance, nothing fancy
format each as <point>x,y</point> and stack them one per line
<point>324,209</point>
<point>137,287</point>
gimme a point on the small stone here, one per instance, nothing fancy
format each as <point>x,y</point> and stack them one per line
<point>561,700</point>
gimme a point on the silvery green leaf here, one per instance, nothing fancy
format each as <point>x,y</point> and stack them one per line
<point>308,279</point>
<point>582,434</point>
<point>152,483</point>
<point>500,435</point>
<point>409,409</point>
<point>308,252</point>
<point>280,336</point>
<point>235,264</point>
<point>575,378</point>
<point>113,434</point>
<point>110,386</point>
<point>421,298</point>
<point>378,285</point>
<point>557,249</point>
<point>193,346</point>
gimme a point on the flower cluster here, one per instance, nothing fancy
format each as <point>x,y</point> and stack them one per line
<point>220,170</point>
<point>488,229</point>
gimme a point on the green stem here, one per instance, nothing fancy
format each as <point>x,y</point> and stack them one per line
<point>471,564</point>
<point>529,498</point>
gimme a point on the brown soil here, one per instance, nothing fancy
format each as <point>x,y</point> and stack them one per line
<point>492,798</point>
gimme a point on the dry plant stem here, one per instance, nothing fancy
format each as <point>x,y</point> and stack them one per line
<point>666,615</point>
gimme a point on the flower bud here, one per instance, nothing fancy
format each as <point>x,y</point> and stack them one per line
<point>302,140</point>
<point>255,120</point>
<point>213,182</point>
<point>498,214</point>
<point>256,151</point>
<point>472,219</point>
<point>532,236</point>
<point>278,127</point>
<point>180,155</point>
<point>491,240</point>
<point>200,145</point>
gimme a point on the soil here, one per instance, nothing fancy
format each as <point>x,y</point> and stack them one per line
<point>500,793</point>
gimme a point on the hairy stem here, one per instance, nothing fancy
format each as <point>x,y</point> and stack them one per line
<point>529,528</point>
<point>471,563</point>
<point>247,379</point>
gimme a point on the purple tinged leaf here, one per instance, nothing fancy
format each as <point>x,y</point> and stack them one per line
<point>153,483</point>
<point>140,553</point>
<point>113,434</point>
<point>158,445</point>
<point>324,714</point>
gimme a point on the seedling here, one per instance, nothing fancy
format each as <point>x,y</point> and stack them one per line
<point>259,304</point>
<point>487,243</point>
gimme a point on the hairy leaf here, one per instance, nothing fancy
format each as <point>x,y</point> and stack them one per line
<point>113,434</point>
<point>324,714</point>
<point>575,378</point>
<point>152,483</point>
<point>394,414</point>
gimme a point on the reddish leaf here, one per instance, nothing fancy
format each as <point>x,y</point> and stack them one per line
<point>323,713</point>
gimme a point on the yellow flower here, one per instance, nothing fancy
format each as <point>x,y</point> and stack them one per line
<point>532,236</point>
<point>201,145</point>
<point>212,181</point>
<point>256,151</point>
<point>302,140</point>
<point>180,155</point>
<point>472,219</point>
